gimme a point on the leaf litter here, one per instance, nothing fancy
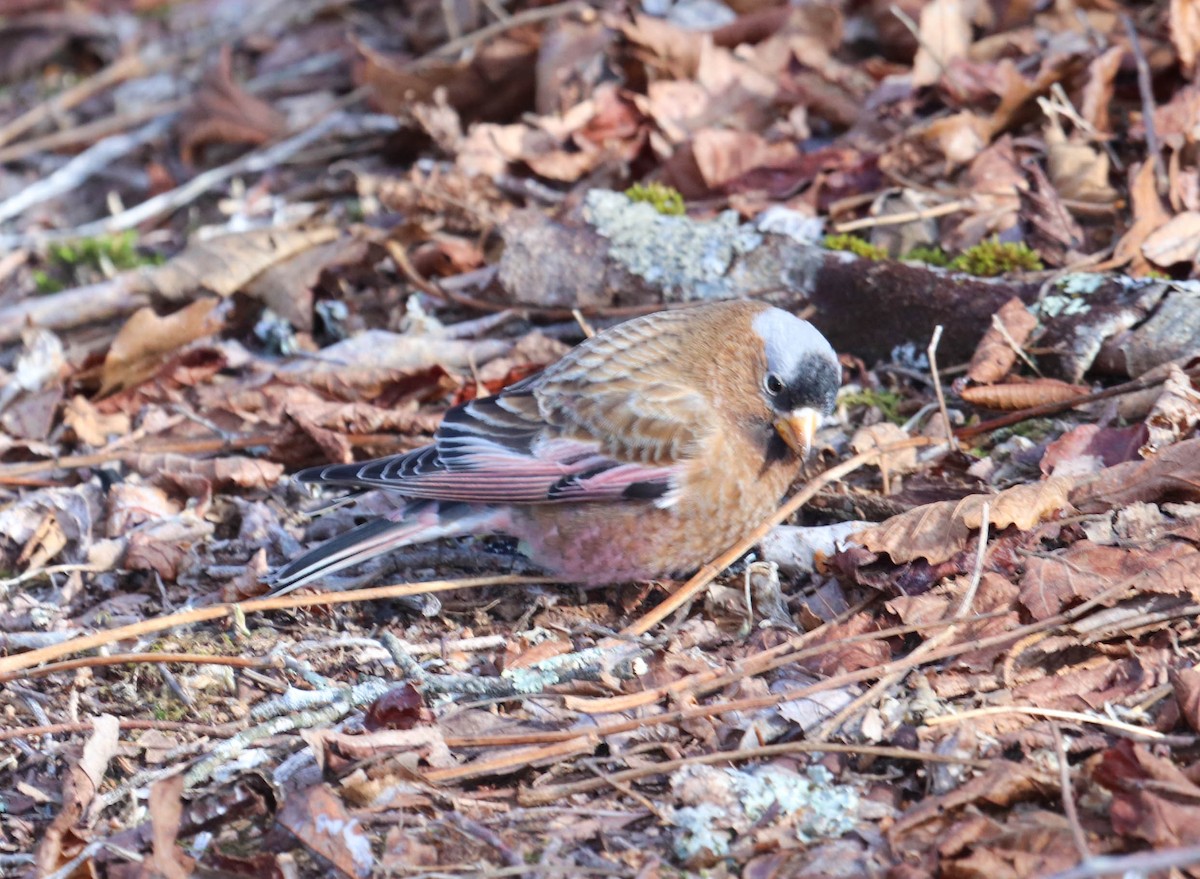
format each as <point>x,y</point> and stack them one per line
<point>346,218</point>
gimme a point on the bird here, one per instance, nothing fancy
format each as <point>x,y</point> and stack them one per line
<point>639,455</point>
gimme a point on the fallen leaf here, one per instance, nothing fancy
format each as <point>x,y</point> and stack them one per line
<point>995,356</point>
<point>944,35</point>
<point>1090,448</point>
<point>145,339</point>
<point>936,532</point>
<point>222,112</point>
<point>224,265</point>
<point>1175,414</point>
<point>1078,171</point>
<point>1177,241</point>
<point>1055,581</point>
<point>1153,799</point>
<point>1171,475</point>
<point>1183,19</point>
<point>1148,216</point>
<point>319,820</point>
<point>1098,90</point>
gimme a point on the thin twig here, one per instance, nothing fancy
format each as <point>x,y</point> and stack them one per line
<point>96,158</point>
<point>907,217</point>
<point>126,67</point>
<point>1057,714</point>
<point>1137,864</point>
<point>1068,796</point>
<point>528,16</point>
<point>254,162</point>
<point>977,571</point>
<point>536,796</point>
<point>9,664</point>
<point>931,351</point>
<point>1146,90</point>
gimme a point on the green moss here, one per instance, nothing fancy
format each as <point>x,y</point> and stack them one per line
<point>90,260</point>
<point>887,402</point>
<point>990,258</point>
<point>854,244</point>
<point>45,283</point>
<point>664,199</point>
<point>119,251</point>
<point>933,256</point>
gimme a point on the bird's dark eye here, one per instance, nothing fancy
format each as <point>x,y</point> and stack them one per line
<point>773,385</point>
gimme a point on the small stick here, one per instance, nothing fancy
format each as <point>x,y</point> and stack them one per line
<point>529,16</point>
<point>126,67</point>
<point>1146,89</point>
<point>977,572</point>
<point>931,351</point>
<point>1137,864</point>
<point>906,217</point>
<point>1068,796</point>
<point>583,324</point>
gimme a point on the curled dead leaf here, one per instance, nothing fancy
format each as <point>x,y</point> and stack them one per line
<point>147,339</point>
<point>997,351</point>
<point>936,532</point>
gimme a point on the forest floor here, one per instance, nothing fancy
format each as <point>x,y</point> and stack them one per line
<point>238,239</point>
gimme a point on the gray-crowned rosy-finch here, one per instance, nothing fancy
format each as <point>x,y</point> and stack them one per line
<point>643,453</point>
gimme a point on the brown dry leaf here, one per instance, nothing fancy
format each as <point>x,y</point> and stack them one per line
<point>945,34</point>
<point>1054,232</point>
<point>164,546</point>
<point>1148,215</point>
<point>1175,414</point>
<point>1178,241</point>
<point>1023,395</point>
<point>1153,799</point>
<point>1171,475</point>
<point>1090,448</point>
<point>318,818</point>
<point>881,434</point>
<point>1098,90</point>
<point>995,356</point>
<point>960,137</point>
<point>131,505</point>
<point>936,532</point>
<point>146,340</point>
<point>222,112</point>
<point>47,542</point>
<point>1183,18</point>
<point>64,838</point>
<point>1084,570</point>
<point>287,286</point>
<point>496,82</point>
<point>1078,171</point>
<point>230,472</point>
<point>226,264</point>
<point>675,51</point>
<point>92,427</point>
<point>166,811</point>
<point>723,155</point>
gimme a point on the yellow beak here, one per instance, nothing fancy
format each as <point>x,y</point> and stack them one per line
<point>798,428</point>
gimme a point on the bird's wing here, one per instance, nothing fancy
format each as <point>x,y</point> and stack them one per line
<point>607,422</point>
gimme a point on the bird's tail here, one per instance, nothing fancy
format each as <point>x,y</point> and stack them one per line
<point>416,523</point>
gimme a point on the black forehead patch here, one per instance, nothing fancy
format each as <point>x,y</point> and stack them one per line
<point>814,385</point>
